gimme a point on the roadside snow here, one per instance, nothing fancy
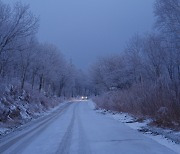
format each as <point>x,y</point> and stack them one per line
<point>4,130</point>
<point>78,130</point>
<point>159,136</point>
<point>91,104</point>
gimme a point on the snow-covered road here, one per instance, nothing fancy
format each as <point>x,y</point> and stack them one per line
<point>77,129</point>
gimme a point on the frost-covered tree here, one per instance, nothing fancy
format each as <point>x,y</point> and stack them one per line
<point>168,23</point>
<point>28,62</point>
<point>167,14</point>
<point>16,24</point>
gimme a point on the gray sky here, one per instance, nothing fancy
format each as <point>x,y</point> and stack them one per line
<point>87,29</point>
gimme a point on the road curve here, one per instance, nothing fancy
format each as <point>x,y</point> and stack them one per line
<point>77,129</point>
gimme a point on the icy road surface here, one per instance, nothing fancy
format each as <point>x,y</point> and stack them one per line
<point>77,129</point>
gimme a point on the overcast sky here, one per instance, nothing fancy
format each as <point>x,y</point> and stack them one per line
<point>87,29</point>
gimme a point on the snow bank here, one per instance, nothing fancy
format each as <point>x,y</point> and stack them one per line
<point>92,105</point>
<point>18,107</point>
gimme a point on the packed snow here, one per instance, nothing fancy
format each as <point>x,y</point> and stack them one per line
<point>168,138</point>
<point>77,128</point>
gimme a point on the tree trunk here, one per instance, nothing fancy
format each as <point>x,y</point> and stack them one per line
<point>23,79</point>
<point>41,82</point>
<point>33,78</point>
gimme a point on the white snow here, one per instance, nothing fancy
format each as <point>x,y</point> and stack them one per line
<point>78,130</point>
<point>91,104</point>
<point>4,130</point>
<point>129,121</point>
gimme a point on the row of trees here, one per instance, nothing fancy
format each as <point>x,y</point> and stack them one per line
<point>145,78</point>
<point>23,59</point>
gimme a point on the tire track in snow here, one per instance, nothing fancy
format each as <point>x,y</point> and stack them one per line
<point>39,127</point>
<point>65,143</point>
<point>84,147</point>
<point>38,132</point>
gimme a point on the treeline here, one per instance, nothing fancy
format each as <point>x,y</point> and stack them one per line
<point>25,61</point>
<point>144,79</point>
<point>34,76</point>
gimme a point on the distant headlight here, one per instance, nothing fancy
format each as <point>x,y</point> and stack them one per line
<point>84,97</point>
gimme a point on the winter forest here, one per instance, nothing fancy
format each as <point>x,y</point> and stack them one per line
<point>32,74</point>
<point>143,79</point>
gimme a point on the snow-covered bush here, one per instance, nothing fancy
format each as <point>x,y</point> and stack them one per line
<point>144,80</point>
<point>18,106</point>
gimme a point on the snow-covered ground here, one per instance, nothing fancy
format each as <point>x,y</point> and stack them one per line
<point>6,130</point>
<point>18,107</point>
<point>168,138</point>
<point>76,128</point>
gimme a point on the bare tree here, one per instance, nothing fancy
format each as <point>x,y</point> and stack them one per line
<point>16,24</point>
<point>167,13</point>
